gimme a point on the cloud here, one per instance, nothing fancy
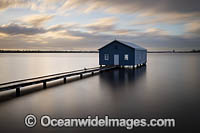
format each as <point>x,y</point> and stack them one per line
<point>102,25</point>
<point>172,18</point>
<point>64,34</point>
<point>2,35</point>
<point>21,29</point>
<point>149,12</point>
<point>170,11</point>
<point>94,41</point>
<point>46,5</point>
<point>142,13</point>
<point>193,28</point>
<point>39,35</point>
<point>107,26</point>
<point>38,5</point>
<point>4,4</point>
<point>66,26</point>
<point>132,6</point>
<point>72,36</point>
<point>156,31</point>
<point>36,20</point>
<point>16,29</point>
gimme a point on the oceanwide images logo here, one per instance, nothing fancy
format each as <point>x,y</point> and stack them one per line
<point>46,121</point>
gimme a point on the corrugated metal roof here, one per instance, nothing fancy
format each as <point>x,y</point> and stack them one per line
<point>132,45</point>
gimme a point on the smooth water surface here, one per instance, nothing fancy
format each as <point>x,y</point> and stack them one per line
<point>168,87</point>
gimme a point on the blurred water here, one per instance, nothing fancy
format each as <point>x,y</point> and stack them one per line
<point>168,87</point>
<point>19,66</point>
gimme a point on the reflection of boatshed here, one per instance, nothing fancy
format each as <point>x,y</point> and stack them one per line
<point>122,53</point>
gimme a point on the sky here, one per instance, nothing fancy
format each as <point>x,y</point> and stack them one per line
<point>90,24</point>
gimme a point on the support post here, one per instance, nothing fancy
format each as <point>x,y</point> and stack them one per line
<point>135,66</point>
<point>65,80</point>
<point>81,76</point>
<point>92,73</point>
<point>101,71</point>
<point>44,85</point>
<point>17,92</point>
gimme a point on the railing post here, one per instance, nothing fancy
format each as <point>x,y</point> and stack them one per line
<point>17,92</point>
<point>65,80</point>
<point>44,85</point>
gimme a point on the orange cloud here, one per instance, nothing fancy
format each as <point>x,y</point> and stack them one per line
<point>37,20</point>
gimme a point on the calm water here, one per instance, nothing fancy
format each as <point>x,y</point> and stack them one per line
<point>168,87</point>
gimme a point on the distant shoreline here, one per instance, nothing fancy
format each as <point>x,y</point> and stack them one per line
<point>26,51</point>
<point>19,51</point>
<point>173,52</point>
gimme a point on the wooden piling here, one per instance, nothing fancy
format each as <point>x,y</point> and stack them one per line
<point>65,80</point>
<point>17,92</point>
<point>44,85</point>
<point>135,66</point>
<point>101,71</point>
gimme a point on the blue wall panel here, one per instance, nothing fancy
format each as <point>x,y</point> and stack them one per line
<point>134,56</point>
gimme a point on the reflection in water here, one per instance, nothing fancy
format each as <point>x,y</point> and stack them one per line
<point>167,88</point>
<point>122,78</point>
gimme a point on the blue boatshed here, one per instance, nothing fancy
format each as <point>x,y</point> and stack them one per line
<point>121,53</point>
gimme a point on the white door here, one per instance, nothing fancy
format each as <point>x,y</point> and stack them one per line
<point>116,59</point>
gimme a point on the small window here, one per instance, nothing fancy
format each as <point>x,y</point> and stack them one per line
<point>126,57</point>
<point>106,56</point>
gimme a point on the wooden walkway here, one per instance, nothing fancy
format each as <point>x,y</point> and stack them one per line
<point>44,79</point>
